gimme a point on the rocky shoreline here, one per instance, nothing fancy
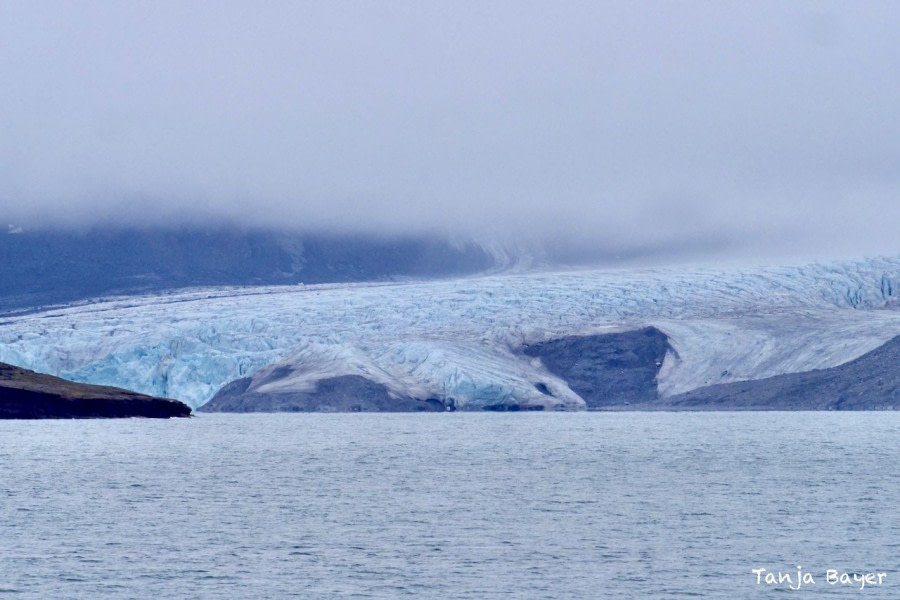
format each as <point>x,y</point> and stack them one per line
<point>25,394</point>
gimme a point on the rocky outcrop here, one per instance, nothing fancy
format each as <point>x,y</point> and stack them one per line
<point>25,394</point>
<point>610,369</point>
<point>616,371</point>
<point>346,393</point>
<point>871,382</point>
<point>604,370</point>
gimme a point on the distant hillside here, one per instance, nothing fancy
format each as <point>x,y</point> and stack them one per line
<point>58,266</point>
<point>25,394</point>
<point>615,371</point>
<point>871,382</point>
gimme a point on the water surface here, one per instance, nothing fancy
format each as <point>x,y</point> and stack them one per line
<point>595,505</point>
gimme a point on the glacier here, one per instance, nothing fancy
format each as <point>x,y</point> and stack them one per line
<point>463,338</point>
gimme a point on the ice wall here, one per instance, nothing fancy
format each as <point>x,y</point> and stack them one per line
<point>464,336</point>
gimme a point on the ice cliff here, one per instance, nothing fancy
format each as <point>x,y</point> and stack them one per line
<point>465,338</point>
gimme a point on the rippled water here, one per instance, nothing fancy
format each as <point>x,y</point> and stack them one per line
<point>629,505</point>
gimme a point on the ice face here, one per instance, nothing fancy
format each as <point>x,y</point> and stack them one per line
<point>462,338</point>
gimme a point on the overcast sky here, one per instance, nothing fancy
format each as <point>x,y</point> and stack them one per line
<point>747,128</point>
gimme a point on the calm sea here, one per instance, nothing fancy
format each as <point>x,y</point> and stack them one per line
<point>595,505</point>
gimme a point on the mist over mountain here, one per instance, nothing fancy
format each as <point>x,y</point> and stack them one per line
<point>57,266</point>
<point>672,132</point>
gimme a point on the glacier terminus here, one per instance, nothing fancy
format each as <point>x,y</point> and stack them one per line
<point>465,340</point>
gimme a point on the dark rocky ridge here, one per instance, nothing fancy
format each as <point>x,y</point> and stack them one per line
<point>25,394</point>
<point>39,268</point>
<point>615,371</point>
<point>605,370</point>
<point>609,369</point>
<point>871,382</point>
<point>346,393</point>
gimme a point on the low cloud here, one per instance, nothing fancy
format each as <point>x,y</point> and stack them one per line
<point>765,130</point>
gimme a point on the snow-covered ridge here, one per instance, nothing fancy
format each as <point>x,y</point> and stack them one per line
<point>463,337</point>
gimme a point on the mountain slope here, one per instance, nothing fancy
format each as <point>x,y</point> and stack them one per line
<point>59,266</point>
<point>610,369</point>
<point>869,382</point>
<point>349,393</point>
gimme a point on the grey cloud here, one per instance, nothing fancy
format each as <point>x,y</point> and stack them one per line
<point>767,128</point>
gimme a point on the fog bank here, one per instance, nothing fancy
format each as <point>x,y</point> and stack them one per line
<point>741,131</point>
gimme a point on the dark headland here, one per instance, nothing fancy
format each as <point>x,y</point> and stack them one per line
<point>25,394</point>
